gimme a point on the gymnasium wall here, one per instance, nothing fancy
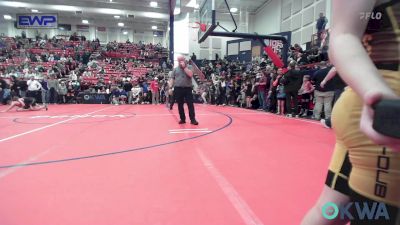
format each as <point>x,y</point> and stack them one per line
<point>267,19</point>
<point>298,16</point>
<point>110,34</point>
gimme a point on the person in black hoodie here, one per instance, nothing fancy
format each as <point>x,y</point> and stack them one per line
<point>292,81</point>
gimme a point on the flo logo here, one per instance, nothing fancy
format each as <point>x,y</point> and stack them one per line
<point>355,210</point>
<point>371,15</point>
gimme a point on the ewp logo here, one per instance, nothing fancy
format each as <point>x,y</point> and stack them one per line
<point>37,21</point>
<point>362,211</point>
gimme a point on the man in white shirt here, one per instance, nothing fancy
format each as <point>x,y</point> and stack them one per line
<point>136,94</point>
<point>34,88</point>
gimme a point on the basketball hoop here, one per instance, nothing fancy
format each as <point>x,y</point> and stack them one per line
<point>202,26</point>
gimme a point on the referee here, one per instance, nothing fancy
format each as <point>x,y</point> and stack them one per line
<point>181,81</point>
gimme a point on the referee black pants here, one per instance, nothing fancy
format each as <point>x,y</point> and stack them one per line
<point>183,94</point>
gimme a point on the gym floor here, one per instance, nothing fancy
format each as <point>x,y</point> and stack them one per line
<point>104,164</point>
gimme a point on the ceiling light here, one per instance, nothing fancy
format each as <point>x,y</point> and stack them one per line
<point>154,15</point>
<point>125,32</point>
<point>233,10</point>
<point>111,0</point>
<point>154,27</point>
<point>117,17</point>
<point>65,8</point>
<point>7,17</point>
<point>192,4</point>
<point>15,4</point>
<point>35,10</point>
<point>110,11</point>
<point>153,4</point>
<point>85,21</point>
<point>120,24</point>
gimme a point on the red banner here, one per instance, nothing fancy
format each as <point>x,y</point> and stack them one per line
<point>274,57</point>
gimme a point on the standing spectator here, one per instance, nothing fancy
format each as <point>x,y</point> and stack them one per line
<point>45,91</point>
<point>261,88</point>
<point>323,95</point>
<point>145,90</point>
<point>53,86</point>
<point>338,85</point>
<point>23,87</point>
<point>272,100</point>
<point>337,82</point>
<point>280,93</point>
<point>305,92</point>
<point>34,88</point>
<point>242,97</point>
<point>155,92</point>
<point>128,89</point>
<point>222,92</point>
<point>63,92</point>
<point>14,86</point>
<point>193,57</point>
<point>321,24</point>
<point>136,94</point>
<point>249,94</point>
<point>292,81</point>
<point>4,91</point>
<point>204,92</point>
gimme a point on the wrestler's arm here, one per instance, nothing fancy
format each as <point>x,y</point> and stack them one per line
<point>355,66</point>
<point>347,52</point>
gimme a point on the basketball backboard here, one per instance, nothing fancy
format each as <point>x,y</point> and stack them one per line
<point>207,19</point>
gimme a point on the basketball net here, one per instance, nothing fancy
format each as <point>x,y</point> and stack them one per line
<point>196,25</point>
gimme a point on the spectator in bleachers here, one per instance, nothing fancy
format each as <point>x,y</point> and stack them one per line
<point>73,75</point>
<point>74,37</point>
<point>321,24</point>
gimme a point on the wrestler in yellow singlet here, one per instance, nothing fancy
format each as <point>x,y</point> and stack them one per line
<point>359,168</point>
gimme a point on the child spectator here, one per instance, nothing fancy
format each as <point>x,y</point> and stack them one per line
<point>305,91</point>
<point>280,95</point>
